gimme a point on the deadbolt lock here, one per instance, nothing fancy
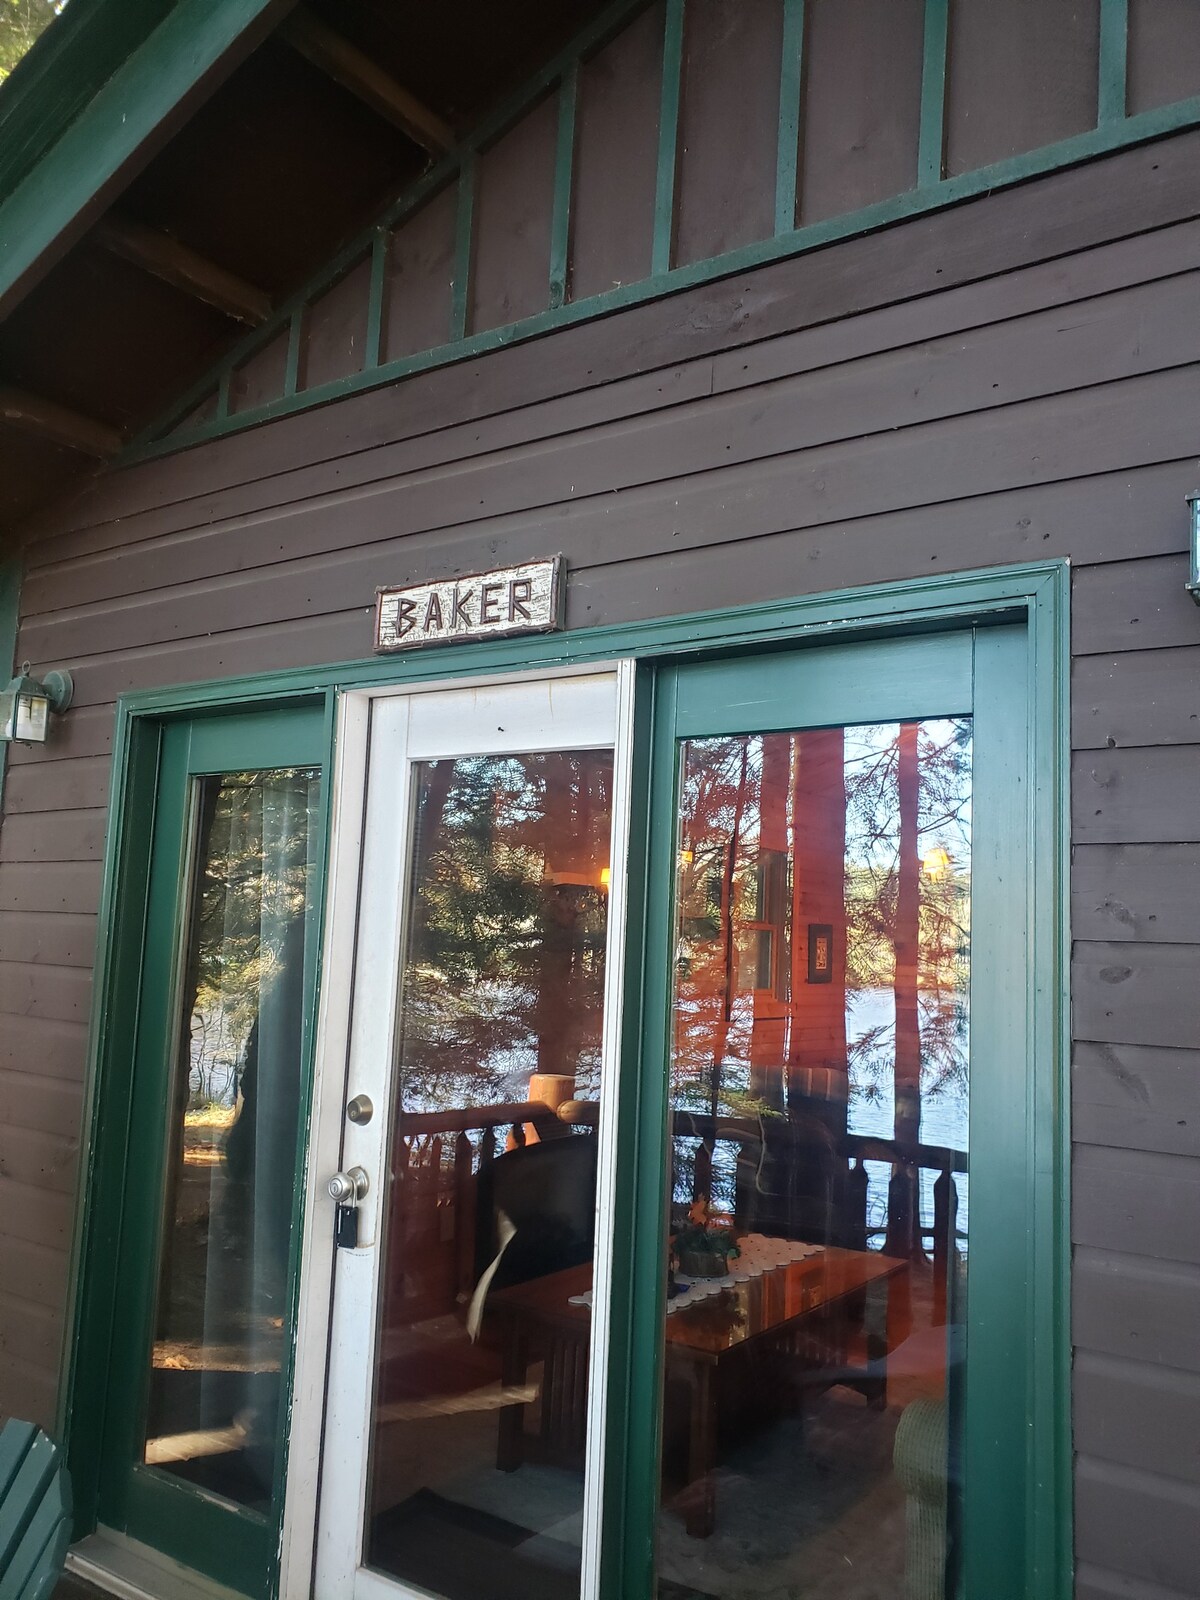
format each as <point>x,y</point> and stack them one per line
<point>360,1109</point>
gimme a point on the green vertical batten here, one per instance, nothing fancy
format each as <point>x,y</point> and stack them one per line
<point>1114,56</point>
<point>564,173</point>
<point>933,93</point>
<point>291,376</point>
<point>668,140</point>
<point>464,240</point>
<point>10,616</point>
<point>223,389</point>
<point>791,78</point>
<point>375,299</point>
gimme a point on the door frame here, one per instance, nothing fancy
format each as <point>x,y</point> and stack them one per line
<point>1036,594</point>
<point>342,970</point>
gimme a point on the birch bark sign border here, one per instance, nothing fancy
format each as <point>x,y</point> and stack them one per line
<point>476,605</point>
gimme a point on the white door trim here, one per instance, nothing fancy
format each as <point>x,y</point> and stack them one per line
<point>354,1044</point>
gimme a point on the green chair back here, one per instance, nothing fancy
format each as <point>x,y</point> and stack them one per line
<point>35,1512</point>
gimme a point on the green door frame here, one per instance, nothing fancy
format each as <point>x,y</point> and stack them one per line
<point>126,1168</point>
<point>1010,1437</point>
<point>1035,595</point>
<point>10,617</point>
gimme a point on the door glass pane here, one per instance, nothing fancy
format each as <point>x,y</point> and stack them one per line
<point>213,1415</point>
<point>814,1336</point>
<point>478,1426</point>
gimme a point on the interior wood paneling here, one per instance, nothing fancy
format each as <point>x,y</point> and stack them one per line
<point>862,104</point>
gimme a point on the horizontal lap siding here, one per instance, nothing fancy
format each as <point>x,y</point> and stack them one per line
<point>1015,379</point>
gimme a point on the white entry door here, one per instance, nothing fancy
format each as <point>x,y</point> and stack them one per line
<point>462,1439</point>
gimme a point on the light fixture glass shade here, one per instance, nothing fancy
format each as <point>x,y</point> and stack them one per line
<point>26,704</point>
<point>1193,501</point>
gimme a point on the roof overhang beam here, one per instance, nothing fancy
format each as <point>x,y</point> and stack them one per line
<point>346,64</point>
<point>59,424</point>
<point>183,268</point>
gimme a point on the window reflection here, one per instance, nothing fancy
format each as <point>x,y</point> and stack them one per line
<point>214,1393</point>
<point>819,1163</point>
<point>476,1468</point>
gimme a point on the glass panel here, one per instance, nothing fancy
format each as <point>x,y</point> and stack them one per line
<point>479,1418</point>
<point>814,1336</point>
<point>213,1416</point>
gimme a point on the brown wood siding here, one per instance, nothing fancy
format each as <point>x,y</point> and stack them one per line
<point>335,330</point>
<point>728,127</point>
<point>862,104</point>
<point>1017,378</point>
<point>510,273</point>
<point>1164,53</point>
<point>417,290</point>
<point>1039,63</point>
<point>616,150</point>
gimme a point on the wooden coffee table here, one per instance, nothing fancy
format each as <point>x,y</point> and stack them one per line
<point>783,1303</point>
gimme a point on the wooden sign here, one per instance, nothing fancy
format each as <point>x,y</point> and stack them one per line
<point>481,605</point>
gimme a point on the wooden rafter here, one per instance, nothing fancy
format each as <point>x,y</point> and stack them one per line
<point>58,424</point>
<point>355,71</point>
<point>174,263</point>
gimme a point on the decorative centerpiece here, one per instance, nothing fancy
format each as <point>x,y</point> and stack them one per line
<point>703,1248</point>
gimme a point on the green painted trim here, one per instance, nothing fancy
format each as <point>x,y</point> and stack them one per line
<point>1051,1565</point>
<point>464,238</point>
<point>791,91</point>
<point>1146,126</point>
<point>626,1561</point>
<point>1114,56</point>
<point>1020,1520</point>
<point>99,1197</point>
<point>10,622</point>
<point>379,251</point>
<point>68,64</point>
<point>291,372</point>
<point>223,393</point>
<point>136,100</point>
<point>917,602</point>
<point>143,908</point>
<point>634,1431</point>
<point>668,140</point>
<point>564,174</point>
<point>931,150</point>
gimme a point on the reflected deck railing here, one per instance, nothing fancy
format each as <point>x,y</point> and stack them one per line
<point>439,1157</point>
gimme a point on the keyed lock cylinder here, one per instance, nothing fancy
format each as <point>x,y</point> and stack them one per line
<point>348,1188</point>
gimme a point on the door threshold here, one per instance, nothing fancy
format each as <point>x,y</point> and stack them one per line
<point>133,1571</point>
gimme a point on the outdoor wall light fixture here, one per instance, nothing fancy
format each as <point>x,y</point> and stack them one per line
<point>26,704</point>
<point>1193,501</point>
